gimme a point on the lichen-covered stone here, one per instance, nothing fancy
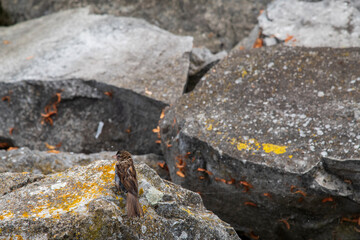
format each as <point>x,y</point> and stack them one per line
<point>82,203</point>
<point>271,135</point>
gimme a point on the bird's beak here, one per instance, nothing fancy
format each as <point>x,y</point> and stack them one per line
<point>114,157</point>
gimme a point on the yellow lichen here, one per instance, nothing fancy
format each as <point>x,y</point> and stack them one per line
<point>144,209</point>
<point>243,73</point>
<point>25,215</point>
<point>108,172</point>
<point>19,237</point>
<point>209,128</point>
<point>188,211</point>
<point>268,148</point>
<point>7,214</point>
<point>141,191</point>
<point>241,146</point>
<point>290,156</point>
<point>254,145</point>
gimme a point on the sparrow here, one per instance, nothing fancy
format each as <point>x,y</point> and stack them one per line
<point>126,181</point>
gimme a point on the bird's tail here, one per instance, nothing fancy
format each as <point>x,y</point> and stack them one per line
<point>133,206</point>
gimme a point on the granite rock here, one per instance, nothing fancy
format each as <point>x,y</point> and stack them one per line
<point>90,117</point>
<point>124,52</point>
<point>217,25</point>
<point>270,139</point>
<point>331,23</point>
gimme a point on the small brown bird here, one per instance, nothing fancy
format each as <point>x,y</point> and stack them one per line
<point>126,181</point>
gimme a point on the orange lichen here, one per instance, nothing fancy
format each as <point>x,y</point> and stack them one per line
<point>6,98</point>
<point>300,192</point>
<point>12,148</point>
<point>161,164</point>
<point>285,222</point>
<point>162,114</point>
<point>109,94</point>
<point>180,174</point>
<point>230,182</point>
<point>328,199</point>
<point>53,151</point>
<point>250,204</point>
<point>156,130</point>
<point>220,180</point>
<point>258,43</point>
<point>246,184</point>
<point>11,131</point>
<point>267,195</point>
<point>253,236</point>
<point>50,110</point>
<point>50,147</point>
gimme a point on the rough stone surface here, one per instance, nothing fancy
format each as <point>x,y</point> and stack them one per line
<point>11,181</point>
<point>40,162</point>
<point>81,203</point>
<point>331,23</point>
<point>277,129</point>
<point>201,60</point>
<point>216,24</point>
<point>128,118</point>
<point>124,52</point>
<point>201,57</point>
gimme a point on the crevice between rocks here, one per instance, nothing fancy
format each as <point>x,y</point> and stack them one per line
<point>5,19</point>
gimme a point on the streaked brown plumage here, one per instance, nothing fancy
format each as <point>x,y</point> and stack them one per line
<point>126,181</point>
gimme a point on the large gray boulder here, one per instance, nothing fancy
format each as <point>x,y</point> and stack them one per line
<point>270,139</point>
<point>82,203</point>
<point>124,52</point>
<point>90,117</point>
<point>330,23</point>
<point>217,25</point>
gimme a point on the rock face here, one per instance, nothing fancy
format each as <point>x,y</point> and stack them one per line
<point>124,52</point>
<point>81,203</point>
<point>331,23</point>
<point>270,139</point>
<point>89,117</point>
<point>40,162</point>
<point>217,25</point>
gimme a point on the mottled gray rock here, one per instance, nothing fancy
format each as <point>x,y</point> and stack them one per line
<point>41,162</point>
<point>202,57</point>
<point>81,203</point>
<point>217,25</point>
<point>201,60</point>
<point>87,119</point>
<point>124,52</point>
<point>271,135</point>
<point>330,23</point>
<point>12,181</point>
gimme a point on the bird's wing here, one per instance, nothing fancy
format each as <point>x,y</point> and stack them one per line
<point>130,181</point>
<point>118,182</point>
